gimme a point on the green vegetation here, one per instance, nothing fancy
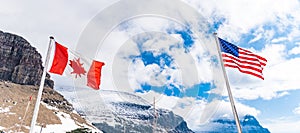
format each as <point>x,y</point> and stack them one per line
<point>80,130</point>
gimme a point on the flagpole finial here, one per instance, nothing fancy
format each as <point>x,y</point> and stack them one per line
<point>51,37</point>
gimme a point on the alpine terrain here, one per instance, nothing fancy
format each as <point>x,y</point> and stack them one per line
<point>20,72</point>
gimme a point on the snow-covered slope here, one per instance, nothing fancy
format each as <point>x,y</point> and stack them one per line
<point>55,114</point>
<point>114,111</point>
<point>67,124</point>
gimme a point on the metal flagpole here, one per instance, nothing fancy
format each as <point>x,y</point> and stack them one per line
<point>39,96</point>
<point>236,117</point>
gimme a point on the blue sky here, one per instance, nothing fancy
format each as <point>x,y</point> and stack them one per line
<point>270,28</point>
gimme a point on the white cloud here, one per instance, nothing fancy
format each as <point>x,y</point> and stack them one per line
<point>282,125</point>
<point>274,53</point>
<point>295,50</point>
<point>280,39</point>
<point>243,17</point>
<point>295,33</point>
<point>140,74</point>
<point>37,20</point>
<point>262,33</point>
<point>259,36</point>
<point>186,70</point>
<point>284,74</point>
<point>297,110</point>
<point>198,112</point>
<point>282,94</point>
<point>203,112</point>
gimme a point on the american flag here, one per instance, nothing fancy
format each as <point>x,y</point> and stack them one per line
<point>245,61</point>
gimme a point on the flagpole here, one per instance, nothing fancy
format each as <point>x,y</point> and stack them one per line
<point>236,117</point>
<point>39,96</point>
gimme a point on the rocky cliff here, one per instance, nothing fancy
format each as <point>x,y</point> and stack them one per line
<point>20,73</point>
<point>20,62</point>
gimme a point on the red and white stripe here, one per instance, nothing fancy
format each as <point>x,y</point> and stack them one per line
<point>247,62</point>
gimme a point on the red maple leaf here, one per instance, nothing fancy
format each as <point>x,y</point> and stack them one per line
<point>77,67</point>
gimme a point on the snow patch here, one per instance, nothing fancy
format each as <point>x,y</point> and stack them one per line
<point>68,124</point>
<point>1,128</point>
<point>49,106</point>
<point>4,110</point>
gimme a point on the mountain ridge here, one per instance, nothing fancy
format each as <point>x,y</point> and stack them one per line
<point>120,111</point>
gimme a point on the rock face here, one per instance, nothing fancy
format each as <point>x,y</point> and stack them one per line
<point>20,62</point>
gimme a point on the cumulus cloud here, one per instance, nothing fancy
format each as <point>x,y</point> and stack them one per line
<point>36,20</point>
<point>198,112</point>
<point>259,36</point>
<point>280,39</point>
<point>159,37</point>
<point>242,16</point>
<point>281,125</point>
<point>203,112</point>
<point>152,74</point>
<point>297,110</point>
<point>295,50</point>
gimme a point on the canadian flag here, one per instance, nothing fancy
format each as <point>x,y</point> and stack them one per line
<point>83,70</point>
